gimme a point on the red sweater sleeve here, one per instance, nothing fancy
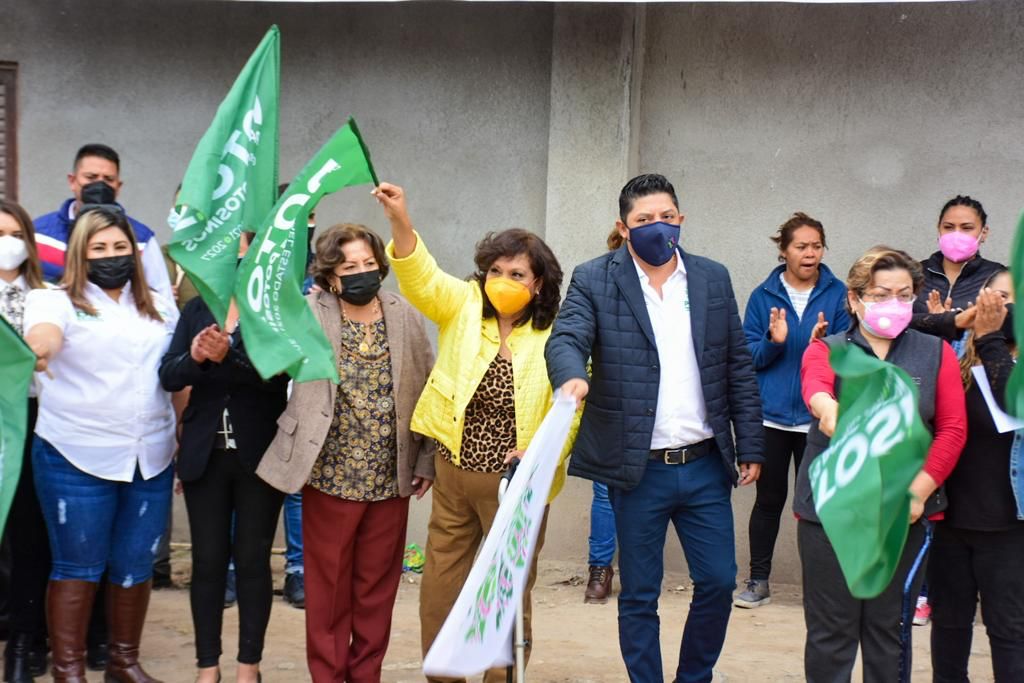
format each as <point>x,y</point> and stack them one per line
<point>816,374</point>
<point>950,419</point>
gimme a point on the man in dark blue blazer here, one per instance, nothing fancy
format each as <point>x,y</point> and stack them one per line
<point>670,382</point>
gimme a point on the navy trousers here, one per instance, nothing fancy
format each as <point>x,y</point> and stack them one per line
<point>695,499</point>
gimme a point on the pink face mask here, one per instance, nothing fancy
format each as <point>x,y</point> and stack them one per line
<point>958,246</point>
<point>887,318</point>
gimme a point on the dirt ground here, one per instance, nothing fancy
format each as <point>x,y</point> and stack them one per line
<point>575,643</point>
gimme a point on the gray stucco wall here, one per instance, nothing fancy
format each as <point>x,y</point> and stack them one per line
<point>867,117</point>
<point>497,115</point>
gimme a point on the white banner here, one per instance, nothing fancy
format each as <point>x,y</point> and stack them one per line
<point>478,632</point>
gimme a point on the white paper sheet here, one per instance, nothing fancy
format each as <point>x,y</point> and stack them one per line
<point>1004,421</point>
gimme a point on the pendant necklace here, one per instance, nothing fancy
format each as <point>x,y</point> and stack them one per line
<point>364,345</point>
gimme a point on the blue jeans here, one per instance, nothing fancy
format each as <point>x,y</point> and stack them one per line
<point>95,525</point>
<point>602,528</point>
<point>293,563</point>
<point>695,498</point>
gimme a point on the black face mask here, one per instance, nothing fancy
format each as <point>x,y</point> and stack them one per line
<point>98,195</point>
<point>1008,325</point>
<point>359,289</point>
<point>111,272</point>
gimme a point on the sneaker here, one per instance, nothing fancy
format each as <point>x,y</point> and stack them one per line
<point>295,590</point>
<point>599,585</point>
<point>923,613</point>
<point>230,590</point>
<point>757,594</point>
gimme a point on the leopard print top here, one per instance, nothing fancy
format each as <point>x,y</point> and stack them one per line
<point>489,430</point>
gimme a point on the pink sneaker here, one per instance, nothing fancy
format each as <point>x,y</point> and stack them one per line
<point>923,613</point>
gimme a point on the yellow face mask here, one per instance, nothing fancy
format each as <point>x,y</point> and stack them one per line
<point>507,296</point>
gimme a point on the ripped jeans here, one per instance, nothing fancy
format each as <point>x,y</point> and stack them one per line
<point>96,525</point>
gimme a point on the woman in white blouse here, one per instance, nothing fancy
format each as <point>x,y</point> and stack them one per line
<point>104,440</point>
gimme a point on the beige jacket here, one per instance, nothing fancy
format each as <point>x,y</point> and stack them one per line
<point>302,427</point>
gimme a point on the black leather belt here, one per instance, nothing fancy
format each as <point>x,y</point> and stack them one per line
<point>684,455</point>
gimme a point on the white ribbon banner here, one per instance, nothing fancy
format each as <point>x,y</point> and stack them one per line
<point>477,635</point>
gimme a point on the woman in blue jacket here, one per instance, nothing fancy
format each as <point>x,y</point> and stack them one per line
<point>799,301</point>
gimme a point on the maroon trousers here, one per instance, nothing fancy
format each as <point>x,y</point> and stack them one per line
<point>353,564</point>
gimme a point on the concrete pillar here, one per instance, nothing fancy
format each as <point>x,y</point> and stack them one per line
<point>596,61</point>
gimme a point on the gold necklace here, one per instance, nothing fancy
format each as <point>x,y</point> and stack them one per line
<point>364,345</point>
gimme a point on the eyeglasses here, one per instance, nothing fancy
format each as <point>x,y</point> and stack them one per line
<point>882,297</point>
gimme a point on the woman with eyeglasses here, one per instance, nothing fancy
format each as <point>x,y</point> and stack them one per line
<point>882,286</point>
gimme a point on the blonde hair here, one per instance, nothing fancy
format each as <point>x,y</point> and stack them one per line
<point>881,257</point>
<point>76,268</point>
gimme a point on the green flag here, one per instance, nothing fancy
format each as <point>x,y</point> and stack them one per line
<point>280,332</point>
<point>1015,385</point>
<point>16,365</point>
<point>860,483</point>
<point>231,182</point>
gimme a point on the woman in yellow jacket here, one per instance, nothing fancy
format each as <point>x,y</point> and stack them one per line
<point>487,394</point>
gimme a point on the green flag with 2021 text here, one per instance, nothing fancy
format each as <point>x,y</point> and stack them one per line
<point>1015,385</point>
<point>16,365</point>
<point>860,483</point>
<point>280,332</point>
<point>231,182</point>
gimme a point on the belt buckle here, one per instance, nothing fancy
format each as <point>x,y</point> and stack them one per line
<point>668,454</point>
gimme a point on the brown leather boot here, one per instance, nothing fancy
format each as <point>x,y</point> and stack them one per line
<point>68,606</point>
<point>126,612</point>
<point>599,586</point>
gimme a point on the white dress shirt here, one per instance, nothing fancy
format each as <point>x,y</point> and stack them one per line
<point>681,417</point>
<point>104,408</point>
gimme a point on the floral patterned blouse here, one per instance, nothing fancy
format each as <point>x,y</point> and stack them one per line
<point>358,460</point>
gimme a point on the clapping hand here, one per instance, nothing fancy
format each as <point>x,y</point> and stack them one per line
<point>990,313</point>
<point>820,328</point>
<point>211,344</point>
<point>778,328</point>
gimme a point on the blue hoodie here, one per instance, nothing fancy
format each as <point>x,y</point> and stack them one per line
<point>778,365</point>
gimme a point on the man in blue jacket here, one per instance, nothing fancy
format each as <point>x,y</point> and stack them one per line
<point>671,380</point>
<point>96,163</point>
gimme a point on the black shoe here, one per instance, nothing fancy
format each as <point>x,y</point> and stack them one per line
<point>37,656</point>
<point>162,576</point>
<point>97,657</point>
<point>230,590</point>
<point>295,590</point>
<point>16,659</point>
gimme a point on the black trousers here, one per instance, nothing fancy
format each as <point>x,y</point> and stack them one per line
<point>30,549</point>
<point>772,490</point>
<point>228,491</point>
<point>837,622</point>
<point>965,564</point>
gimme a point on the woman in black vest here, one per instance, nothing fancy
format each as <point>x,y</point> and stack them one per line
<point>882,286</point>
<point>979,547</point>
<point>230,420</point>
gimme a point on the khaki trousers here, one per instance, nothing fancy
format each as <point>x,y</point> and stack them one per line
<point>464,506</point>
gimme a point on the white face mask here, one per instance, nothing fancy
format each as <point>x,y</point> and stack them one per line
<point>13,252</point>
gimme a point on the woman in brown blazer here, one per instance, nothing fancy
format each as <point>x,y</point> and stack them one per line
<point>349,448</point>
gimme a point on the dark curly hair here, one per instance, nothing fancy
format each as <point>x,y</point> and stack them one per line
<point>543,308</point>
<point>330,251</point>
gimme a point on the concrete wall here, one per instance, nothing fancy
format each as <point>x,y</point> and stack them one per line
<point>868,117</point>
<point>534,115</point>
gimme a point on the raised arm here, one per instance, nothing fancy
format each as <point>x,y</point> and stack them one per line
<point>572,339</point>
